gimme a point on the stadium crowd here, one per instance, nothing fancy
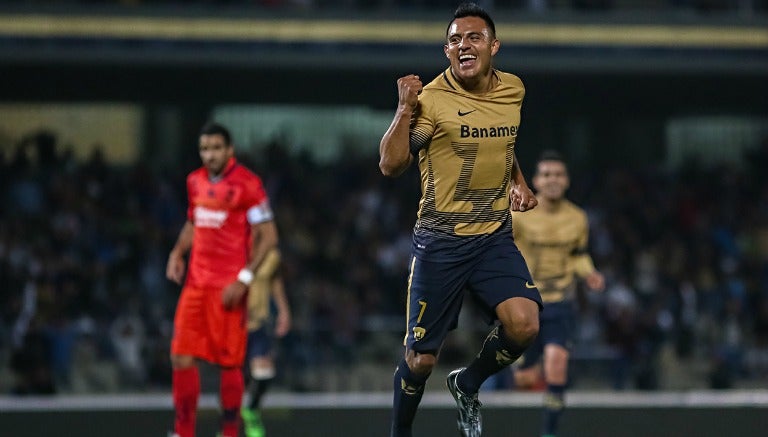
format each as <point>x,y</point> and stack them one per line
<point>85,305</point>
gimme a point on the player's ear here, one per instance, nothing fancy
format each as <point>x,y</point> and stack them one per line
<point>495,47</point>
<point>445,50</point>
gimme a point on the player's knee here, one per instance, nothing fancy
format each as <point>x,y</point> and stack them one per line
<point>556,368</point>
<point>182,361</point>
<point>262,368</point>
<point>527,332</point>
<point>421,364</point>
<point>520,319</point>
<point>522,330</point>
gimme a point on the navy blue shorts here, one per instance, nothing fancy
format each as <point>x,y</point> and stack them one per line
<point>556,326</point>
<point>492,273</point>
<point>259,342</point>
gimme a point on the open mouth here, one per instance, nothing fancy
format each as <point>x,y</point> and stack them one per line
<point>467,60</point>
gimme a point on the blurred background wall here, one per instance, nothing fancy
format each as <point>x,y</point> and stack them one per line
<point>661,107</point>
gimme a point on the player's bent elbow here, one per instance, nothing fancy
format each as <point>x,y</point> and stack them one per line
<point>387,170</point>
<point>392,169</point>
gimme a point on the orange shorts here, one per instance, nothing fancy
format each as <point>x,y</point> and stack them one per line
<point>204,329</point>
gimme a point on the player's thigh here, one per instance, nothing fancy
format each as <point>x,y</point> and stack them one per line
<point>227,331</point>
<point>259,354</point>
<point>435,293</point>
<point>558,324</point>
<point>190,324</point>
<point>259,343</point>
<point>500,275</point>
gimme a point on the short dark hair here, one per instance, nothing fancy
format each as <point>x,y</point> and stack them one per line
<point>469,9</point>
<point>213,128</point>
<point>551,155</point>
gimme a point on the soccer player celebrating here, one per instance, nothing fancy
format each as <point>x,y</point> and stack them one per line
<point>229,231</point>
<point>266,288</point>
<point>553,239</point>
<point>461,129</point>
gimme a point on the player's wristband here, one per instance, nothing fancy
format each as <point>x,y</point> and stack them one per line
<point>245,276</point>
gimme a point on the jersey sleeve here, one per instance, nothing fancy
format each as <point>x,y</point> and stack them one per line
<point>269,265</point>
<point>190,197</point>
<point>422,125</point>
<point>582,262</point>
<point>257,203</point>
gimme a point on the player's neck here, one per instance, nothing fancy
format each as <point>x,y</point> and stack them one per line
<point>550,205</point>
<point>480,85</point>
<point>215,177</point>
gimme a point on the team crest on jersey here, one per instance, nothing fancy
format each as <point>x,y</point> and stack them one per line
<point>209,218</point>
<point>418,333</point>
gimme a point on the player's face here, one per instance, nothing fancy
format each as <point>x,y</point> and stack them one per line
<point>551,180</point>
<point>215,152</point>
<point>470,48</point>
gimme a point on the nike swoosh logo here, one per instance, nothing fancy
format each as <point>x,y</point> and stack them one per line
<point>529,285</point>
<point>461,114</point>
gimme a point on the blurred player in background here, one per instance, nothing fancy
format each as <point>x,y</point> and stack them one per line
<point>553,239</point>
<point>229,231</point>
<point>266,289</point>
<point>461,129</point>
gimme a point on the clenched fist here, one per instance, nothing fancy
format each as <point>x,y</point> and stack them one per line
<point>408,90</point>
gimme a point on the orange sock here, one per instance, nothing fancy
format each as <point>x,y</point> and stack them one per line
<point>231,392</point>
<point>186,391</point>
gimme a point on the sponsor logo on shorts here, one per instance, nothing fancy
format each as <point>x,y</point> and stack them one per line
<point>529,285</point>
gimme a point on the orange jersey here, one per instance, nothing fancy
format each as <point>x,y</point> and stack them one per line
<point>222,211</point>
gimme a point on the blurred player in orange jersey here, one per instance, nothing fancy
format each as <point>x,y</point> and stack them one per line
<point>553,239</point>
<point>230,222</point>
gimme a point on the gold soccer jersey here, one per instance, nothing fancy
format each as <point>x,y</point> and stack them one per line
<point>555,247</point>
<point>260,290</point>
<point>465,144</point>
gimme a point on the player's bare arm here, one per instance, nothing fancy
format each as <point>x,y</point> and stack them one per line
<point>585,267</point>
<point>394,148</point>
<point>521,197</point>
<point>264,239</point>
<point>174,270</point>
<point>283,321</point>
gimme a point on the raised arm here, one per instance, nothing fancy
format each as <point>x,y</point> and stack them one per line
<point>394,149</point>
